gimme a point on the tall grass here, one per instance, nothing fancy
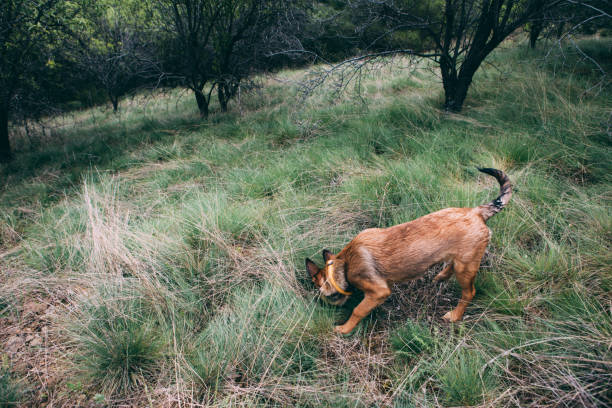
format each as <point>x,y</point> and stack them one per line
<point>172,249</point>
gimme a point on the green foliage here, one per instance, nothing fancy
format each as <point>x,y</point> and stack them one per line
<point>218,44</point>
<point>112,47</point>
<point>30,33</point>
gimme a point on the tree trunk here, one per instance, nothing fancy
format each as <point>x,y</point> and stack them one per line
<point>456,85</point>
<point>115,102</point>
<point>536,28</point>
<point>223,96</point>
<point>5,145</point>
<point>202,103</point>
<point>560,29</point>
<point>455,93</point>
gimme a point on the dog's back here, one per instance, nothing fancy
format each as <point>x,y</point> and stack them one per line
<point>406,251</point>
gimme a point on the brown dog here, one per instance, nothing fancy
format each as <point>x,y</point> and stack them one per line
<point>378,257</point>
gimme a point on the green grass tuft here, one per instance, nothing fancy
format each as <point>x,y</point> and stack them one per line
<point>265,334</point>
<point>411,340</point>
<point>465,379</point>
<point>12,392</point>
<point>118,347</point>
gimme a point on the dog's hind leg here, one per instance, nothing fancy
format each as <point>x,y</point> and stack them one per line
<point>446,273</point>
<point>466,273</point>
<point>375,294</point>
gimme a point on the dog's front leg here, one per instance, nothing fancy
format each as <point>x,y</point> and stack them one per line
<point>369,302</point>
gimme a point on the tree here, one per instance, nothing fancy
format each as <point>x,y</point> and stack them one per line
<point>27,28</point>
<point>535,29</point>
<point>463,34</point>
<point>471,30</point>
<point>215,43</point>
<point>456,34</point>
<point>111,46</point>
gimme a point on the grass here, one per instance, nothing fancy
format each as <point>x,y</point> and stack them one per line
<point>412,340</point>
<point>117,346</point>
<point>172,249</point>
<point>464,381</point>
<point>12,391</point>
<point>255,340</point>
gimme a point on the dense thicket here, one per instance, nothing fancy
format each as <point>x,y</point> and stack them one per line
<point>569,17</point>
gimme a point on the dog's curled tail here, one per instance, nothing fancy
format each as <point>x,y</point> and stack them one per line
<point>490,209</point>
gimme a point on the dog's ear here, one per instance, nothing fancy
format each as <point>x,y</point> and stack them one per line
<point>311,267</point>
<point>327,255</point>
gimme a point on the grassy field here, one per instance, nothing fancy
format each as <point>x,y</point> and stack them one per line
<point>153,259</point>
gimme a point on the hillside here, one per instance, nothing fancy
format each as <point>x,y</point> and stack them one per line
<point>149,258</point>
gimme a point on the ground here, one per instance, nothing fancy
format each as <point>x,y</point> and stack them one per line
<point>151,258</point>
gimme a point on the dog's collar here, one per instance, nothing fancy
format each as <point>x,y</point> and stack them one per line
<point>330,278</point>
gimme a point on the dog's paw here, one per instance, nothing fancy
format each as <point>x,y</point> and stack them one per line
<point>452,317</point>
<point>341,330</point>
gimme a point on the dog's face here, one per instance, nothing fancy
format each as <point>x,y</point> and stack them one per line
<point>319,278</point>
